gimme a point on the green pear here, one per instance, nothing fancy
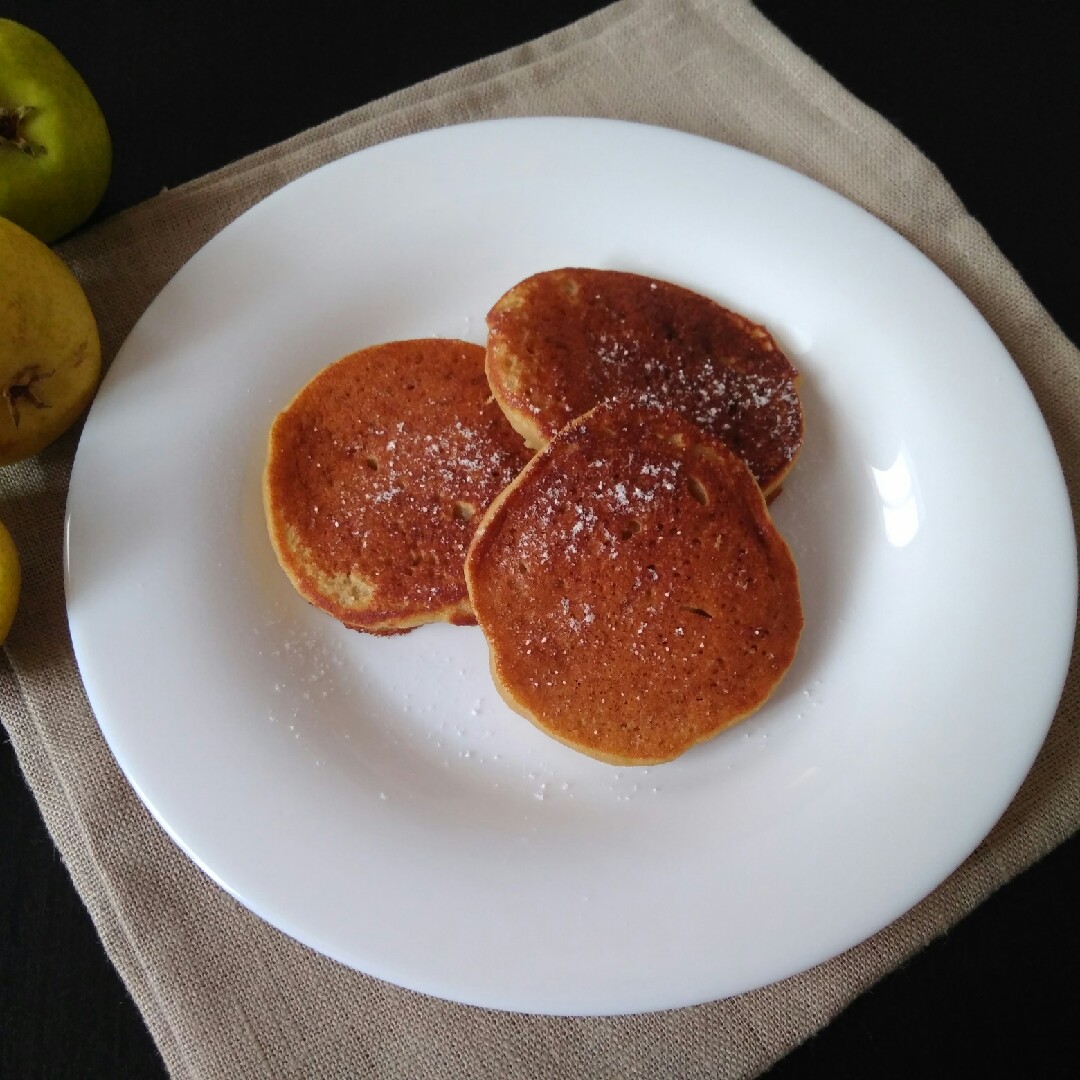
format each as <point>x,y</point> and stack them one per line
<point>55,151</point>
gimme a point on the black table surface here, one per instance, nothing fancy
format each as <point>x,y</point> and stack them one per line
<point>989,91</point>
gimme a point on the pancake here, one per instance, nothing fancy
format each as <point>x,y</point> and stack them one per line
<point>376,476</point>
<point>562,341</point>
<point>634,592</point>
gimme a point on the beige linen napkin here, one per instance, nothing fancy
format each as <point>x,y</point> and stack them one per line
<point>227,996</point>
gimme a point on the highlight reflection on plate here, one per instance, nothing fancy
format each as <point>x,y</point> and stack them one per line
<point>373,797</point>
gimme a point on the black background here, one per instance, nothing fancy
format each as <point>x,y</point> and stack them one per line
<point>989,91</point>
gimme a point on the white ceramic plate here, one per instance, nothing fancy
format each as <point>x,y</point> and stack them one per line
<point>374,798</point>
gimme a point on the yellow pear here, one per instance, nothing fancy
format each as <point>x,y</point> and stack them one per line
<point>50,355</point>
<point>10,580</point>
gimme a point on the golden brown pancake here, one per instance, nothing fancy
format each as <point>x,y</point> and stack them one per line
<point>635,594</point>
<point>564,340</point>
<point>376,476</point>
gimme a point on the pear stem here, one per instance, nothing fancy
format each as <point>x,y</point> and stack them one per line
<point>23,389</point>
<point>11,133</point>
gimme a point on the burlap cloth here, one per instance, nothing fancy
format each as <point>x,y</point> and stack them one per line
<point>224,994</point>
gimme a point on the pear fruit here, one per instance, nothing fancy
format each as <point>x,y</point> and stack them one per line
<point>55,150</point>
<point>10,582</point>
<point>50,353</point>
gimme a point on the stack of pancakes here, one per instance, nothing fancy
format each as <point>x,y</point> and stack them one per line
<point>634,592</point>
